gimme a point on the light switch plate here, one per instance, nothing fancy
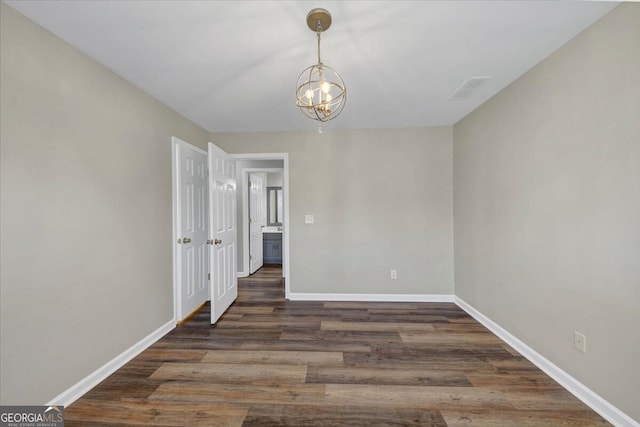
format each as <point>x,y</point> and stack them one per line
<point>309,219</point>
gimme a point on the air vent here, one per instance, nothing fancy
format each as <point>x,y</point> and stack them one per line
<point>469,87</point>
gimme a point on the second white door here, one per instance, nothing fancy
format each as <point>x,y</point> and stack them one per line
<point>256,222</point>
<point>223,231</point>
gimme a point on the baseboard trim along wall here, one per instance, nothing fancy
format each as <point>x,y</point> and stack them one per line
<point>76,391</point>
<point>300,296</point>
<point>575,387</point>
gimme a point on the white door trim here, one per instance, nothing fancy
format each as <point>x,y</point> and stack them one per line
<point>175,146</point>
<point>285,224</point>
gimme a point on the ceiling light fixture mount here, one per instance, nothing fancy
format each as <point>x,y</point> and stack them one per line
<point>320,91</point>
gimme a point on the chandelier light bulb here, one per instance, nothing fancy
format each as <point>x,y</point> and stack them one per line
<point>326,87</point>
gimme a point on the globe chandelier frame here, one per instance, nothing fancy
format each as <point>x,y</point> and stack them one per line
<point>320,91</point>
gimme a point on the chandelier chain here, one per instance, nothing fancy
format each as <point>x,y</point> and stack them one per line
<point>318,32</point>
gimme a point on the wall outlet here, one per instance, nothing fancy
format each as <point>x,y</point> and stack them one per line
<point>309,219</point>
<point>394,274</point>
<point>580,341</point>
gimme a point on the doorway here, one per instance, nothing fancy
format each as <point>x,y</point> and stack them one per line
<point>204,229</point>
<point>262,163</point>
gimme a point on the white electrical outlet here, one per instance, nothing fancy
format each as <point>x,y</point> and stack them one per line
<point>394,274</point>
<point>309,219</point>
<point>580,341</point>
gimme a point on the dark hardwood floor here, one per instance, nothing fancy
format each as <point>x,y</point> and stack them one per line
<point>272,362</point>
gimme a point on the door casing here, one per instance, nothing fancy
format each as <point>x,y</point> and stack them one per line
<point>286,264</point>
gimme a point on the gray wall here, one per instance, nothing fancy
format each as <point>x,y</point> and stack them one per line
<point>382,199</point>
<point>547,207</point>
<point>85,213</point>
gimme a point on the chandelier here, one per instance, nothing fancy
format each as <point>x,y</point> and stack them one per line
<point>320,91</point>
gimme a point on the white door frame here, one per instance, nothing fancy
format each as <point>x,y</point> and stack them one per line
<point>245,211</point>
<point>177,278</point>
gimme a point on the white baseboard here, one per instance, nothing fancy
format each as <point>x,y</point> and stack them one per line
<point>242,274</point>
<point>76,391</point>
<point>301,296</point>
<point>575,387</point>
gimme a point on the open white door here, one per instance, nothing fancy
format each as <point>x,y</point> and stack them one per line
<point>191,227</point>
<point>256,222</point>
<point>223,231</point>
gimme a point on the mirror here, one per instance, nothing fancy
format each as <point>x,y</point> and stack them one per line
<point>274,205</point>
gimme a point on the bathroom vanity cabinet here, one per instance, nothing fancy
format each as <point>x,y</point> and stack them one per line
<point>272,248</point>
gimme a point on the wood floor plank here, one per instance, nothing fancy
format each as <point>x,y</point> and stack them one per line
<point>266,344</point>
<point>91,412</point>
<point>303,324</point>
<point>328,313</point>
<point>439,338</point>
<point>153,354</point>
<point>385,376</point>
<point>274,357</point>
<point>502,380</point>
<point>520,418</point>
<point>437,398</point>
<point>369,305</point>
<point>513,365</point>
<point>467,327</point>
<point>436,363</point>
<point>189,391</point>
<point>374,326</point>
<point>245,334</point>
<point>231,373</point>
<point>251,310</point>
<point>349,336</point>
<point>536,398</point>
<point>343,416</point>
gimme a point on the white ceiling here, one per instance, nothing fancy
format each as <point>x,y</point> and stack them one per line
<point>231,66</point>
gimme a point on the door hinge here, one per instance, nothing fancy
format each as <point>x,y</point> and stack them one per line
<point>250,221</point>
<point>250,257</point>
<point>208,276</point>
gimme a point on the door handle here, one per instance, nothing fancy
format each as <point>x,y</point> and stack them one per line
<point>217,241</point>
<point>184,240</point>
<point>209,242</point>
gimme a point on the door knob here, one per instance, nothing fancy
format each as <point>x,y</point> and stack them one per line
<point>217,241</point>
<point>209,242</point>
<point>184,240</point>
